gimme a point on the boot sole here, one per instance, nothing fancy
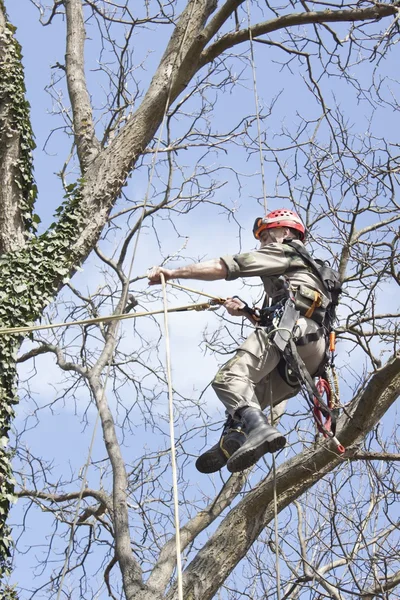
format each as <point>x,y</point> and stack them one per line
<point>243,460</point>
<point>212,462</point>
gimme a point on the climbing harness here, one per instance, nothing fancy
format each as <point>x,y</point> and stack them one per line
<point>280,320</point>
<point>292,368</point>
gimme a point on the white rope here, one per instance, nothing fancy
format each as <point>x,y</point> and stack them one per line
<point>172,438</point>
<point>253,68</point>
<point>275,501</point>
<point>275,497</point>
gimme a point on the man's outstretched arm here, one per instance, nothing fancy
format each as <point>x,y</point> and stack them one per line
<point>210,270</point>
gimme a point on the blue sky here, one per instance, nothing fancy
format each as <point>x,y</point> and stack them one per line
<point>209,233</point>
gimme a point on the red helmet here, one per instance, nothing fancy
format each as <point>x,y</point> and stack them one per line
<point>279,218</point>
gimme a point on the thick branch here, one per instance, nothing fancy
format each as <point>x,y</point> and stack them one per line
<point>87,144</point>
<point>385,585</point>
<point>106,175</point>
<point>130,569</point>
<point>375,12</point>
<point>62,363</point>
<point>220,18</point>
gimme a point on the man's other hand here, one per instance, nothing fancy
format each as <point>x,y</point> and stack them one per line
<point>235,307</point>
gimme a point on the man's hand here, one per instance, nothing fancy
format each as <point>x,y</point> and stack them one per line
<point>235,307</point>
<point>154,275</point>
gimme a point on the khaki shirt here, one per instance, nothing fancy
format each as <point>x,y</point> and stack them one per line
<point>270,263</point>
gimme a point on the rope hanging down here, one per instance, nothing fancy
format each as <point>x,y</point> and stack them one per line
<point>253,69</point>
<point>275,499</point>
<point>172,441</point>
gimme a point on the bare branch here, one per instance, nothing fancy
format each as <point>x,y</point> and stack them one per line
<point>87,144</point>
<point>377,11</point>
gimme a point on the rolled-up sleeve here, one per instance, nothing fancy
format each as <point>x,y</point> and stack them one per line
<point>267,261</point>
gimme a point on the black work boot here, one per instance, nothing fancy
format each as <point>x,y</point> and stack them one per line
<point>216,457</point>
<point>261,438</point>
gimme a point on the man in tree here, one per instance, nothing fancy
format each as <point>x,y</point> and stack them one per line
<point>252,379</point>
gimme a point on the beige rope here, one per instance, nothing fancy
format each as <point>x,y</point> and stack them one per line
<point>187,289</point>
<point>172,438</point>
<point>107,318</point>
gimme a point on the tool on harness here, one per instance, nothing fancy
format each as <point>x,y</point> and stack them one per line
<point>313,395</point>
<point>266,316</point>
<point>328,384</point>
<point>319,414</point>
<point>284,321</point>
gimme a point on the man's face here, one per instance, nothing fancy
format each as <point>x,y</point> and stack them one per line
<point>270,236</point>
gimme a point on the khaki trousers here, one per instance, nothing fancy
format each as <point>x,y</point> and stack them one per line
<point>251,378</point>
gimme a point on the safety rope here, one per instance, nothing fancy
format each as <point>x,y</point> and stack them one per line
<point>106,319</point>
<point>275,500</point>
<point>253,69</point>
<point>172,440</point>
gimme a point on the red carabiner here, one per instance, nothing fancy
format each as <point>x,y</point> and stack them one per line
<point>324,421</point>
